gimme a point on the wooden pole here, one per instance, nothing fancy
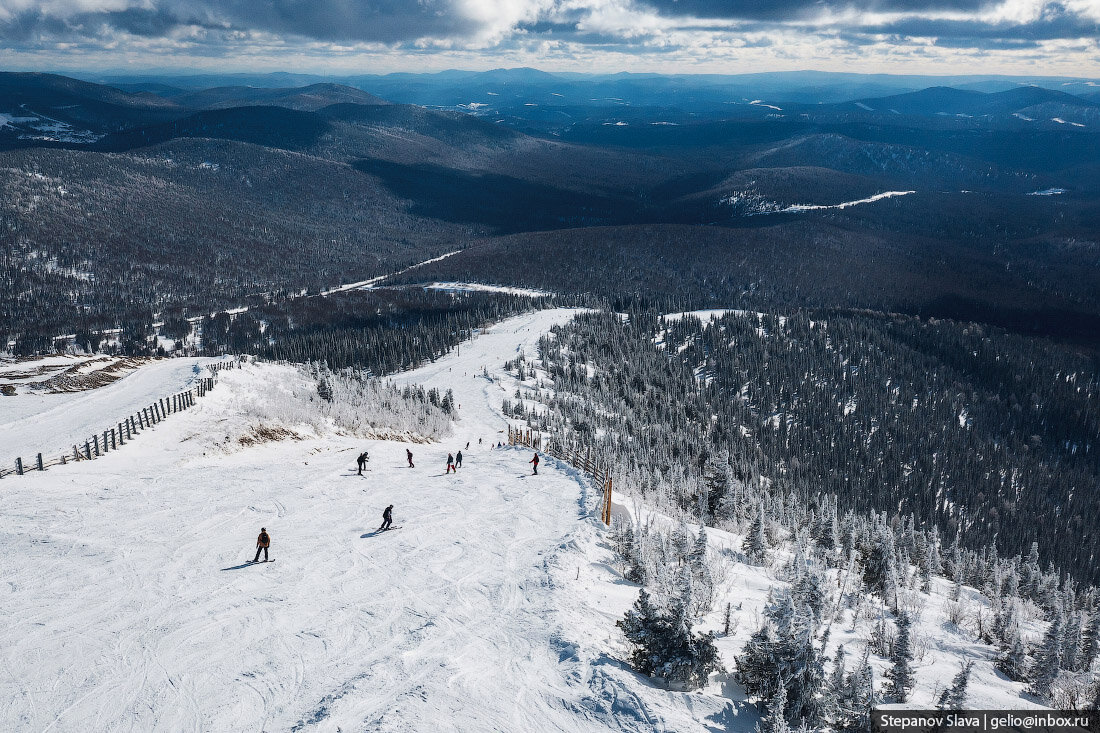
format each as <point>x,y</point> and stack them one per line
<point>19,466</point>
<point>41,467</point>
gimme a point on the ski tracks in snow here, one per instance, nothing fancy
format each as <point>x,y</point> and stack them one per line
<point>116,614</point>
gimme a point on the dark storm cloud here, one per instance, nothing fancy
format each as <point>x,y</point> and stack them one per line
<point>386,21</point>
<point>237,23</point>
<point>978,34</point>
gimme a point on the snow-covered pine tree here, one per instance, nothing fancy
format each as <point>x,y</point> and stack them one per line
<point>900,674</point>
<point>834,690</point>
<point>643,627</point>
<point>776,719</point>
<point>954,698</point>
<point>1071,642</point>
<point>858,698</point>
<point>1013,657</point>
<point>717,483</point>
<point>755,545</point>
<point>1048,659</point>
<point>703,581</point>
<point>681,543</point>
<point>663,644</point>
<point>879,558</point>
<point>1090,644</point>
<point>783,648</point>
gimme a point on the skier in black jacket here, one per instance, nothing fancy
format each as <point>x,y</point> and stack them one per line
<point>387,518</point>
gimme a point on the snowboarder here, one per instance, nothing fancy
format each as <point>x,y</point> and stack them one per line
<point>535,462</point>
<point>451,463</point>
<point>362,461</point>
<point>467,447</point>
<point>262,543</point>
<point>387,518</point>
<point>458,461</point>
<point>409,453</point>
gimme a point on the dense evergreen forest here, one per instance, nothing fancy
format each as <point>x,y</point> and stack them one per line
<point>377,331</point>
<point>966,428</point>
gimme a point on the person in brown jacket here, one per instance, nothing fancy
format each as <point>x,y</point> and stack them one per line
<point>262,543</point>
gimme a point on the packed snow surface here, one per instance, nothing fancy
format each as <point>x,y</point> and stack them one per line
<point>33,422</point>
<point>126,601</point>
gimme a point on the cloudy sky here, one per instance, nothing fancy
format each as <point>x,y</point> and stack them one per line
<point>1033,37</point>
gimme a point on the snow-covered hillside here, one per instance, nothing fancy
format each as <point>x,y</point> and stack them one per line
<point>127,601</point>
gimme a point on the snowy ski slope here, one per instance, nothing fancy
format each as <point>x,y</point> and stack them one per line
<point>126,603</point>
<point>34,421</point>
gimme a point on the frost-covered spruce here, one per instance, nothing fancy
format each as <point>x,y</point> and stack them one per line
<point>1090,644</point>
<point>1071,643</point>
<point>954,698</point>
<point>1048,659</point>
<point>776,719</point>
<point>900,675</point>
<point>702,580</point>
<point>643,628</point>
<point>663,644</point>
<point>783,648</point>
<point>755,545</point>
<point>1012,660</point>
<point>858,698</point>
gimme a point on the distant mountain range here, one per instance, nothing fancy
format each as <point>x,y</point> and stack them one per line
<point>162,193</point>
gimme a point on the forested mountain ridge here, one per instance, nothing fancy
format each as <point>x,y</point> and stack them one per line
<point>964,427</point>
<point>777,209</point>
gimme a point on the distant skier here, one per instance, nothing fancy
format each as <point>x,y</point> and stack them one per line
<point>451,463</point>
<point>409,453</point>
<point>458,459</point>
<point>262,543</point>
<point>535,462</point>
<point>467,447</point>
<point>479,441</point>
<point>387,518</point>
<point>362,461</point>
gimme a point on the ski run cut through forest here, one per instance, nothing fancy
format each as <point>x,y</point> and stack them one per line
<point>129,601</point>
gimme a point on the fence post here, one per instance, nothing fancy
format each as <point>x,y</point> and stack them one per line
<point>95,439</point>
<point>40,466</point>
<point>76,453</point>
<point>114,444</point>
<point>64,459</point>
<point>88,450</point>
<point>106,446</point>
<point>18,466</point>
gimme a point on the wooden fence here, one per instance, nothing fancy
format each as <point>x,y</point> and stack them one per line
<point>575,455</point>
<point>125,430</point>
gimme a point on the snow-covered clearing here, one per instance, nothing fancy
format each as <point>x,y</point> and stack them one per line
<point>796,208</point>
<point>127,603</point>
<point>470,287</point>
